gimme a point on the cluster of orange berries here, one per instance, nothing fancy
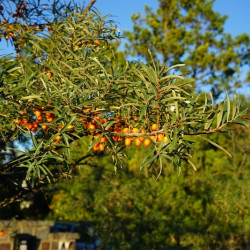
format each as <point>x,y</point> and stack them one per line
<point>133,134</point>
<point>93,123</point>
<point>124,133</point>
<point>33,125</point>
<point>9,30</point>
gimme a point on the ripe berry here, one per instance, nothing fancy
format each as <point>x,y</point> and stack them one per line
<point>29,126</point>
<point>154,127</point>
<point>101,147</point>
<point>165,139</point>
<point>49,74</point>
<point>137,141</point>
<point>96,147</point>
<point>125,130</point>
<point>135,130</point>
<point>127,141</point>
<point>147,142</point>
<point>160,137</point>
<point>96,43</point>
<point>37,112</point>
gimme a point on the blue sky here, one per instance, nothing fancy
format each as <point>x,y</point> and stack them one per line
<point>237,11</point>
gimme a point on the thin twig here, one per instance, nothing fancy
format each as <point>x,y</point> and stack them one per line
<point>87,9</point>
<point>90,5</point>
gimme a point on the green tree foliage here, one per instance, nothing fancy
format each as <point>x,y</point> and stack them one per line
<point>191,32</point>
<point>204,209</point>
<point>65,82</point>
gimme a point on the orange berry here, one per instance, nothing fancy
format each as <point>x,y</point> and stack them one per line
<point>48,115</point>
<point>98,118</point>
<point>147,142</point>
<point>103,139</point>
<point>35,124</point>
<point>70,127</point>
<point>152,137</point>
<point>57,138</point>
<point>154,127</point>
<point>96,147</point>
<point>50,119</point>
<point>96,43</point>
<point>119,138</point>
<point>137,141</point>
<point>24,121</point>
<point>91,126</point>
<point>29,126</point>
<point>12,34</point>
<point>93,121</point>
<point>115,137</point>
<point>39,118</point>
<point>160,137</point>
<point>101,147</point>
<point>34,130</point>
<point>130,203</point>
<point>166,139</point>
<point>25,5</point>
<point>44,127</point>
<point>135,130</point>
<point>104,120</point>
<point>141,138</point>
<point>37,112</point>
<point>97,136</point>
<point>49,74</point>
<point>125,130</point>
<point>127,141</point>
<point>86,111</point>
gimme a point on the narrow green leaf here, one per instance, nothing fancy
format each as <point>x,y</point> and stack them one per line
<point>192,164</point>
<point>66,141</point>
<point>150,160</point>
<point>242,122</point>
<point>220,113</point>
<point>149,73</point>
<point>234,107</point>
<point>171,77</point>
<point>173,142</point>
<point>228,107</point>
<point>142,113</point>
<point>174,66</point>
<point>33,140</point>
<point>215,144</point>
<point>212,99</point>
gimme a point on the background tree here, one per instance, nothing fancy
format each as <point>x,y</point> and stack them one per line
<point>207,208</point>
<point>191,32</point>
